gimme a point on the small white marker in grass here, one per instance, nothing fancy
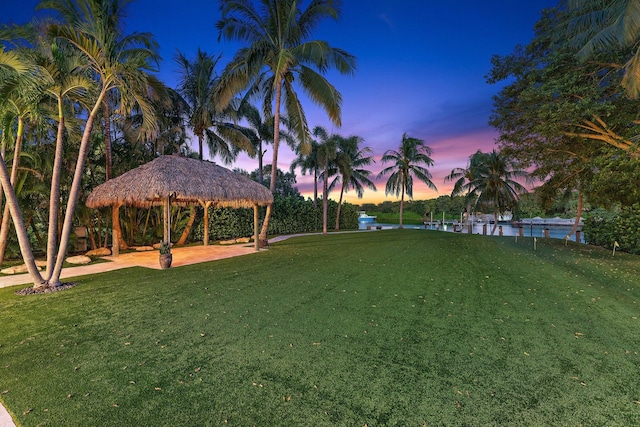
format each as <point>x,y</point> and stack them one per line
<point>535,241</point>
<point>615,245</point>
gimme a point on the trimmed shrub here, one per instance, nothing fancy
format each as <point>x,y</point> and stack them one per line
<point>290,215</point>
<point>603,228</point>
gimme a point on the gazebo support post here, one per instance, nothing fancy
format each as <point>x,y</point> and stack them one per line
<point>205,237</point>
<point>256,227</point>
<point>115,238</point>
<point>167,221</point>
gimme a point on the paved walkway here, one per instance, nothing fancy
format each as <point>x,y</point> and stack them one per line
<point>181,256</point>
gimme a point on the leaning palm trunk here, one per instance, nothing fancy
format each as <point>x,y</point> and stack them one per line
<point>339,206</point>
<point>263,242</point>
<point>74,193</point>
<point>16,215</point>
<point>187,230</point>
<point>4,229</point>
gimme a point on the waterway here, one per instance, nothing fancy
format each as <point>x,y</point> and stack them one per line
<point>555,231</point>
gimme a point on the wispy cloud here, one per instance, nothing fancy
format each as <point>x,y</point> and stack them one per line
<point>387,20</point>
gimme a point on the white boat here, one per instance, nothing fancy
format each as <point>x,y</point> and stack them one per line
<point>363,217</point>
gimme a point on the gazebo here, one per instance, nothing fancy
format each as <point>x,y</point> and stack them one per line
<point>182,181</point>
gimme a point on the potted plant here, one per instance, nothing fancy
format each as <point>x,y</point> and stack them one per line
<point>165,255</point>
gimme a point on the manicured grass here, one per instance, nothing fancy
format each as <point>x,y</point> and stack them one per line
<point>392,328</point>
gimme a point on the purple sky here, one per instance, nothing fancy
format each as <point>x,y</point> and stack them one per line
<point>421,67</point>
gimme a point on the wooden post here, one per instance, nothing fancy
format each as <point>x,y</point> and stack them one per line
<point>577,236</point>
<point>167,220</point>
<point>500,230</point>
<point>520,231</point>
<point>546,233</point>
<point>256,227</point>
<point>484,229</point>
<point>115,248</point>
<point>205,236</point>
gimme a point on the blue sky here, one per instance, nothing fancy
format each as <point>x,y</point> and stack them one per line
<point>420,69</point>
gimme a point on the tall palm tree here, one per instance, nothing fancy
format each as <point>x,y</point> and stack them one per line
<point>597,26</point>
<point>327,153</point>
<point>124,71</point>
<point>350,160</point>
<point>279,52</point>
<point>20,107</point>
<point>496,185</point>
<point>407,161</point>
<point>463,178</point>
<point>67,81</point>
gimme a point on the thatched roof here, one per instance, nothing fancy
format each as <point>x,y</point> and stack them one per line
<point>188,181</point>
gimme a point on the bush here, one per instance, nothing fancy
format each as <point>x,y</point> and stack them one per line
<point>290,215</point>
<point>603,228</point>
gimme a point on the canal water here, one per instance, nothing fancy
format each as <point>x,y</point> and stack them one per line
<point>555,231</point>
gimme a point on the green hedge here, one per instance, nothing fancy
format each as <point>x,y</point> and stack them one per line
<point>603,228</point>
<point>290,215</point>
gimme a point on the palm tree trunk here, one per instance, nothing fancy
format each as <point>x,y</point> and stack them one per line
<point>495,222</point>
<point>576,223</point>
<point>54,199</point>
<point>16,215</point>
<point>276,138</point>
<point>339,206</point>
<point>200,146</point>
<point>260,154</point>
<point>315,187</point>
<point>187,230</point>
<point>401,207</point>
<point>74,193</point>
<point>265,228</point>
<point>325,194</point>
<point>4,228</point>
<point>107,140</point>
<point>274,164</point>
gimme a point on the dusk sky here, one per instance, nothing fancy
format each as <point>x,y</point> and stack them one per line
<point>420,70</point>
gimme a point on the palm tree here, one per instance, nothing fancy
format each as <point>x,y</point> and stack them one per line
<point>327,153</point>
<point>309,163</point>
<point>349,162</point>
<point>198,80</point>
<point>407,161</point>
<point>13,71</point>
<point>68,81</point>
<point>464,177</point>
<point>598,26</point>
<point>260,132</point>
<point>495,183</point>
<point>280,52</point>
<point>124,71</point>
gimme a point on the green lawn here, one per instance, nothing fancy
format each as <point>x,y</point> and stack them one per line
<point>391,328</point>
